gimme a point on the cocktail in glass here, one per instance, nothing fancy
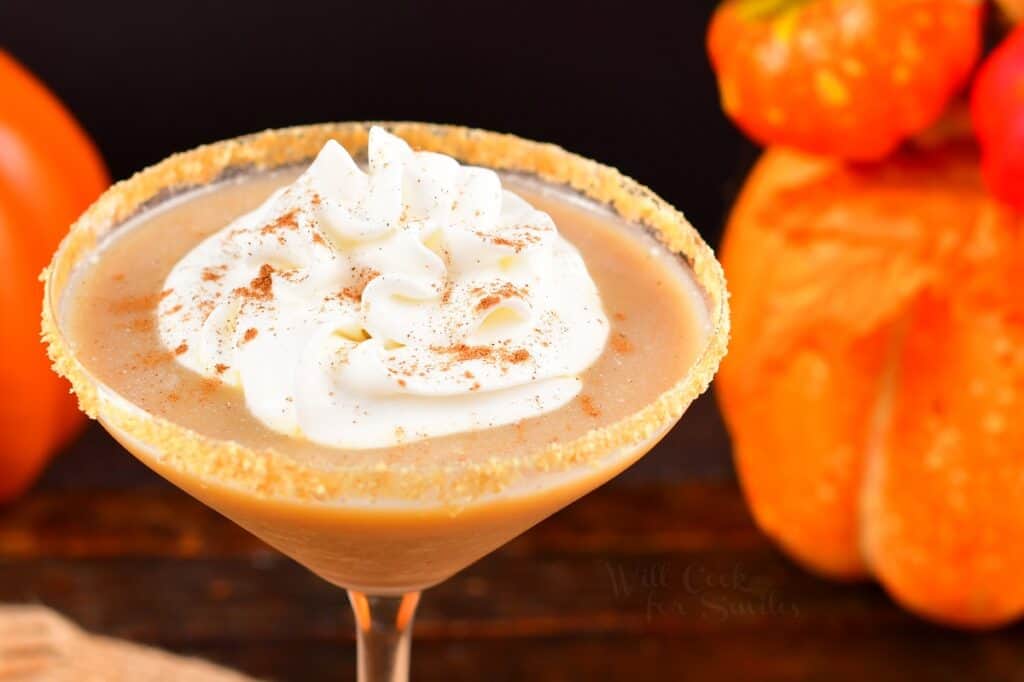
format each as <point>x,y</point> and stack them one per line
<point>385,528</point>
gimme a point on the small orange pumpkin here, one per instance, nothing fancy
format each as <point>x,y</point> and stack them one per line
<point>874,387</point>
<point>849,78</point>
<point>49,172</point>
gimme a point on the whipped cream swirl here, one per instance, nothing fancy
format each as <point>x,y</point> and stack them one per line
<point>366,309</point>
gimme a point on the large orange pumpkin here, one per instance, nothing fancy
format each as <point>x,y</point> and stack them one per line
<point>874,386</point>
<point>49,172</point>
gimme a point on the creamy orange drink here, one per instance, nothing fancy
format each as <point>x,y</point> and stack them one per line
<point>386,352</point>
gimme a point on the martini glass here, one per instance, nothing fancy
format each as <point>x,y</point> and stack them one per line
<point>382,532</point>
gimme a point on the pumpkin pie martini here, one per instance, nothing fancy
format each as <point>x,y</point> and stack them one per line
<point>385,350</point>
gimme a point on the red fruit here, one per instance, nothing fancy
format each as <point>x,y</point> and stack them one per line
<point>848,78</point>
<point>997,110</point>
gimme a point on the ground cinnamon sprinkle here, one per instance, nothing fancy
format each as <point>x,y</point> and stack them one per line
<point>619,316</point>
<point>250,334</point>
<point>503,241</point>
<point>488,302</point>
<point>208,386</point>
<point>507,290</point>
<point>212,274</point>
<point>261,288</point>
<point>518,245</point>
<point>138,304</point>
<point>521,355</point>
<point>401,382</point>
<point>318,239</point>
<point>181,349</point>
<point>463,352</point>
<point>206,307</point>
<point>620,343</point>
<point>589,408</point>
<point>363,277</point>
<point>142,324</point>
<point>220,368</point>
<point>286,222</point>
<point>152,358</point>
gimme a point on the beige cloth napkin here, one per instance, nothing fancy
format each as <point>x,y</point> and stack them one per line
<point>38,645</point>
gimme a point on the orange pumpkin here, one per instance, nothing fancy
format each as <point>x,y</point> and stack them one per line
<point>849,78</point>
<point>1014,9</point>
<point>874,386</point>
<point>49,172</point>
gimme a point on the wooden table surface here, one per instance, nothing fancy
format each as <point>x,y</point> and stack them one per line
<point>660,575</point>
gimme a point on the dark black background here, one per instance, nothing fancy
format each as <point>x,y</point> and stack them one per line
<point>626,83</point>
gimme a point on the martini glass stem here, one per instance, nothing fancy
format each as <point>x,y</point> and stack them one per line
<point>383,635</point>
